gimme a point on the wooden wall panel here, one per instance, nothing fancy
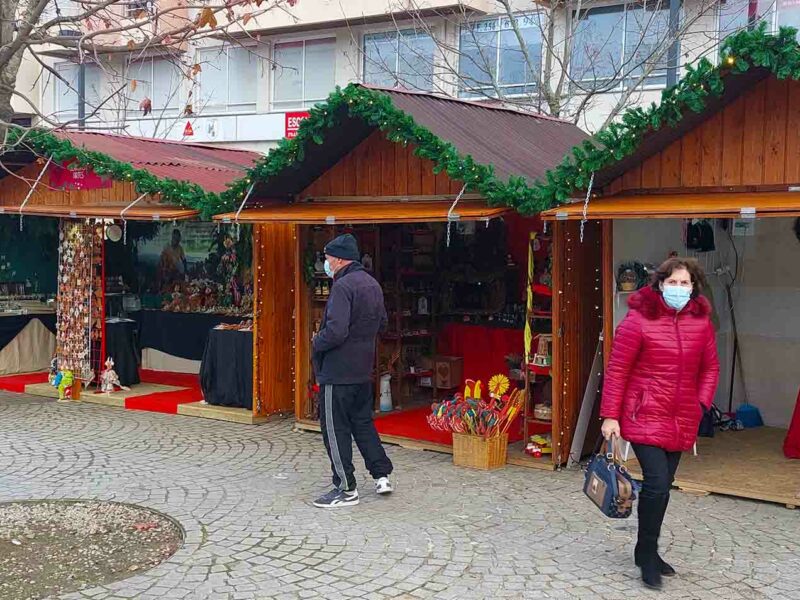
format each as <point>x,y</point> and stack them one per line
<point>14,189</point>
<point>275,264</point>
<point>577,323</point>
<point>733,142</point>
<point>378,167</point>
<point>753,143</point>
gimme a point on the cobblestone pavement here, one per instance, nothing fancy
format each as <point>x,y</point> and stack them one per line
<point>242,494</point>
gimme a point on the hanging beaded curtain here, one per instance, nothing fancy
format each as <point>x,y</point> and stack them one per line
<point>79,327</point>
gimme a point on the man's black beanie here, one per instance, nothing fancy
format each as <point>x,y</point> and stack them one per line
<point>344,247</point>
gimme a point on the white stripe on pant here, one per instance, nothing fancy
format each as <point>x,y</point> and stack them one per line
<point>335,456</point>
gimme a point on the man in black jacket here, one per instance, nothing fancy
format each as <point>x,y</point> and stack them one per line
<point>344,358</point>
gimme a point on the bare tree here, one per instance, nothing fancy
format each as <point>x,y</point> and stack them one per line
<point>116,37</point>
<point>563,58</point>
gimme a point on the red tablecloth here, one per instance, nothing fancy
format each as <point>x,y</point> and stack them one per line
<point>791,446</point>
<point>483,348</point>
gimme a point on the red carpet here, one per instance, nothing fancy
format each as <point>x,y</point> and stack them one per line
<point>164,402</point>
<point>17,383</point>
<point>413,424</point>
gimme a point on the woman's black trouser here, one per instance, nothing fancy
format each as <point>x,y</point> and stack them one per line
<point>658,470</point>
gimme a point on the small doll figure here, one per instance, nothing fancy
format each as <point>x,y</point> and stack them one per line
<point>53,372</point>
<point>65,380</point>
<point>109,380</point>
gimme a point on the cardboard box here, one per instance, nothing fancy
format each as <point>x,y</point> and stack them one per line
<point>448,371</point>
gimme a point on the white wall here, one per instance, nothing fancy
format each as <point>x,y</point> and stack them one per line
<point>766,298</point>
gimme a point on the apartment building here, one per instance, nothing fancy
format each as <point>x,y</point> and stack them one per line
<point>250,87</point>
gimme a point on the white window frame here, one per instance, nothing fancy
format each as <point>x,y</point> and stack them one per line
<point>648,84</point>
<point>399,31</point>
<point>61,114</point>
<point>228,108</point>
<point>273,78</point>
<point>132,106</point>
<point>134,7</point>
<point>480,92</point>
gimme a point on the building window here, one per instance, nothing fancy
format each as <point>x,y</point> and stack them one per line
<point>66,90</point>
<point>492,61</point>
<point>399,59</point>
<point>159,80</point>
<point>303,73</point>
<point>615,45</point>
<point>228,79</point>
<point>135,8</point>
<point>787,14</point>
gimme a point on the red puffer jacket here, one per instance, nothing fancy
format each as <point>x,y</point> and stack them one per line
<point>663,366</point>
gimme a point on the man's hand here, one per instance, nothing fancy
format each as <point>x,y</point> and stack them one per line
<point>610,427</point>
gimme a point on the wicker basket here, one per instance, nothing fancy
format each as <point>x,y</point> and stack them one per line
<point>479,453</point>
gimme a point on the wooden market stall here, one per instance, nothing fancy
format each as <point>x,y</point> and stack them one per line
<point>425,183</point>
<point>104,194</point>
<point>718,183</point>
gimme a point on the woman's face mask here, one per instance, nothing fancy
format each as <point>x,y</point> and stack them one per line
<point>677,289</point>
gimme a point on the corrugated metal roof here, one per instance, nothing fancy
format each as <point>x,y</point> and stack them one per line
<point>515,142</point>
<point>210,167</point>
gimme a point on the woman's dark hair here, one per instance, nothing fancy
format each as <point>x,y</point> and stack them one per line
<point>690,264</point>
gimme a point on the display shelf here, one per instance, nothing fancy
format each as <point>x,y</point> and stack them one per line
<point>539,421</point>
<point>537,370</point>
<point>542,290</point>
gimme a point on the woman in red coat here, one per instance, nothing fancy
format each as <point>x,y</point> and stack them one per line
<point>661,377</point>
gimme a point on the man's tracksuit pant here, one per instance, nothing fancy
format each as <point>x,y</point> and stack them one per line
<point>345,414</point>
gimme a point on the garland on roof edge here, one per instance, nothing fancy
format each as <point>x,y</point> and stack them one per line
<point>177,193</point>
<point>740,52</point>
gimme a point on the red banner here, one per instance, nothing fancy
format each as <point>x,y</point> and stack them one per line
<point>67,177</point>
<point>293,120</point>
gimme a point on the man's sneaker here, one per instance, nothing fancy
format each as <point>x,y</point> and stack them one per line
<point>383,486</point>
<point>336,498</point>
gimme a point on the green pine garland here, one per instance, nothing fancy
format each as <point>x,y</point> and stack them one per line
<point>376,109</point>
<point>740,52</point>
<point>176,193</point>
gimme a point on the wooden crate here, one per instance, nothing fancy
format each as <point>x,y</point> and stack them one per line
<point>479,453</point>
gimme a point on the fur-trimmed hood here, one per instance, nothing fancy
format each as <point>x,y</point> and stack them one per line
<point>651,305</point>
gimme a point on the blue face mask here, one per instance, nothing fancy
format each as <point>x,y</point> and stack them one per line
<point>328,269</point>
<point>676,296</point>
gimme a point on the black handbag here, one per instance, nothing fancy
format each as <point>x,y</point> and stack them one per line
<point>608,484</point>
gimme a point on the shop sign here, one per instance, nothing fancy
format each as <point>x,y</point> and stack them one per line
<point>293,120</point>
<point>67,177</point>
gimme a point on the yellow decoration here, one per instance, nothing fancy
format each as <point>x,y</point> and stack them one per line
<point>498,385</point>
<point>477,392</point>
<point>468,385</point>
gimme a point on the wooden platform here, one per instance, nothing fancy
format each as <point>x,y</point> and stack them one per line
<point>220,413</point>
<point>746,464</point>
<point>45,390</point>
<point>517,456</point>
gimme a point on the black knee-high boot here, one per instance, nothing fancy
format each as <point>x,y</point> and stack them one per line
<point>650,515</point>
<point>664,567</point>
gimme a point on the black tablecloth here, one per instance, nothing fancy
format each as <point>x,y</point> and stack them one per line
<point>226,373</point>
<point>11,325</point>
<point>178,334</point>
<point>121,346</point>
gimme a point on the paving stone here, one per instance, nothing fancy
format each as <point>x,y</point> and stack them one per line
<point>243,495</point>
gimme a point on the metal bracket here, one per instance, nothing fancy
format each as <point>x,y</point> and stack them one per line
<point>747,212</point>
<point>330,220</point>
<point>562,216</point>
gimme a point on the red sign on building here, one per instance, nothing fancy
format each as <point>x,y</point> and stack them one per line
<point>293,120</point>
<point>66,177</point>
<point>188,131</point>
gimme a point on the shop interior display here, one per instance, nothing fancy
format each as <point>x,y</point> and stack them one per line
<point>188,267</point>
<point>537,374</point>
<point>429,281</point>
